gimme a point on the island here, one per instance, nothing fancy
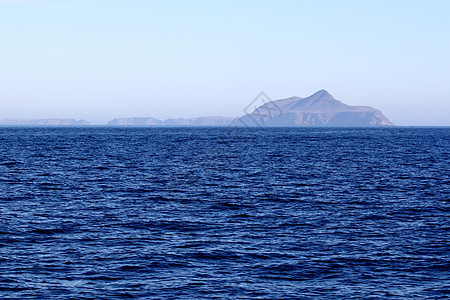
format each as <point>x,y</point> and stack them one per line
<point>319,109</point>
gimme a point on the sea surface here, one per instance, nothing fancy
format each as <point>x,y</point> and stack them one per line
<point>222,213</point>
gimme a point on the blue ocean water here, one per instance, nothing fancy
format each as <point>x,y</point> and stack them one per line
<point>203,213</point>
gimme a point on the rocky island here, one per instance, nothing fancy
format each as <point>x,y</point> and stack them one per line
<point>319,109</point>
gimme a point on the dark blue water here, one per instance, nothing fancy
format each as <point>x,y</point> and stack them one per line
<point>186,213</point>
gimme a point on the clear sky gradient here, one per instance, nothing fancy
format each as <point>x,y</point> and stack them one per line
<point>101,59</point>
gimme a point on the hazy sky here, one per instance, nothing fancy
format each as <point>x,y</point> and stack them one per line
<point>100,59</point>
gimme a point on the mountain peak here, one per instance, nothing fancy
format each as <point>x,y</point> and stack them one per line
<point>319,101</point>
<point>323,94</point>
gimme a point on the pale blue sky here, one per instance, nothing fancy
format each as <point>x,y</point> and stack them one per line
<point>100,59</point>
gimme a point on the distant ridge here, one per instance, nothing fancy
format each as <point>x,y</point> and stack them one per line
<point>148,121</point>
<point>138,121</point>
<point>44,122</point>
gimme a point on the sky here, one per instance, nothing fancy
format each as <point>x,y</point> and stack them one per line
<point>101,59</point>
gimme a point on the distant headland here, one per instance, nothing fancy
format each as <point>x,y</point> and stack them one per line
<point>319,109</point>
<point>44,122</point>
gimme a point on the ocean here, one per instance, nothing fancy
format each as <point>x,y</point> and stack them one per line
<point>224,213</point>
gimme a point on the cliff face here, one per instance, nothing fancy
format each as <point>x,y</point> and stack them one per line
<point>45,122</point>
<point>319,109</point>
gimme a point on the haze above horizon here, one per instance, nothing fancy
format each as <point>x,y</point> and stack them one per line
<point>97,60</point>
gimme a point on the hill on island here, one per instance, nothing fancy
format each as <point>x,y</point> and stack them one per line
<point>319,109</point>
